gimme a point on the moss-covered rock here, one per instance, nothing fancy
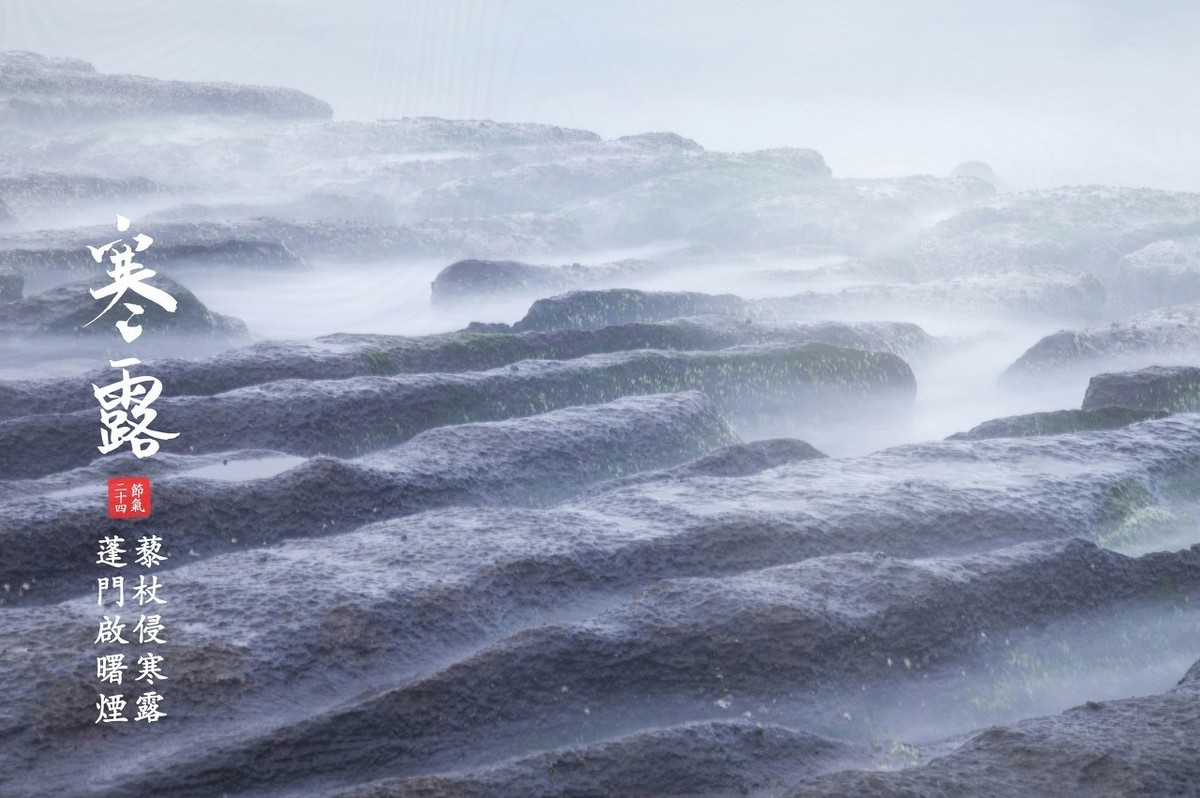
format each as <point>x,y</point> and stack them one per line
<point>68,309</point>
<point>479,347</point>
<point>1057,422</point>
<point>472,280</point>
<point>591,310</point>
<point>354,416</point>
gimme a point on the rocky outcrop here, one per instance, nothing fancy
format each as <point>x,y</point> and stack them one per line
<point>1134,746</point>
<point>341,356</point>
<point>36,89</point>
<point>1161,337</point>
<point>714,757</point>
<point>1161,274</point>
<point>354,416</point>
<point>476,634</point>
<point>738,460</point>
<point>1086,229</point>
<point>1059,422</point>
<point>1020,296</point>
<point>282,243</point>
<point>40,192</point>
<point>69,310</point>
<point>1013,295</point>
<point>12,285</point>
<point>1174,389</point>
<point>472,280</point>
<point>705,645</point>
<point>591,310</point>
<point>498,463</point>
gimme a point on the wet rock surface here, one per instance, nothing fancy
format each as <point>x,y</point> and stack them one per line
<point>760,637</point>
<point>353,416</point>
<point>1013,295</point>
<point>701,758</point>
<point>41,192</point>
<point>343,356</point>
<point>500,463</point>
<point>1056,422</point>
<point>780,593</point>
<point>1136,746</point>
<point>590,310</point>
<point>12,285</point>
<point>467,280</point>
<point>1173,388</point>
<point>70,310</point>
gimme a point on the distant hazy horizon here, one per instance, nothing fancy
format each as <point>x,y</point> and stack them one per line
<point>1047,93</point>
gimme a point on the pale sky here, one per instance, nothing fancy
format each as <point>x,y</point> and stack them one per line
<point>1048,93</point>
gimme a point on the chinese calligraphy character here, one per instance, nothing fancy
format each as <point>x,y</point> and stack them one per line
<point>149,668</point>
<point>136,491</point>
<point>147,551</point>
<point>128,275</point>
<point>110,630</point>
<point>148,627</point>
<point>111,551</point>
<point>112,708</point>
<point>115,400</point>
<point>115,583</point>
<point>110,667</point>
<point>147,593</point>
<point>147,704</point>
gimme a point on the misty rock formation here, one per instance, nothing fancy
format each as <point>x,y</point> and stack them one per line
<point>678,522</point>
<point>591,310</point>
<point>1163,273</point>
<point>1084,228</point>
<point>785,632</point>
<point>343,355</point>
<point>1171,388</point>
<point>39,90</point>
<point>39,192</point>
<point>495,463</point>
<point>979,171</point>
<point>1129,747</point>
<point>354,416</point>
<point>69,309</point>
<point>472,280</point>
<point>1058,422</point>
<point>12,285</point>
<point>1014,295</point>
<point>1165,334</point>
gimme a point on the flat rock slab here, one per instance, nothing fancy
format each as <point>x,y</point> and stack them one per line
<point>502,463</point>
<point>1173,389</point>
<point>341,356</point>
<point>351,417</point>
<point>1058,422</point>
